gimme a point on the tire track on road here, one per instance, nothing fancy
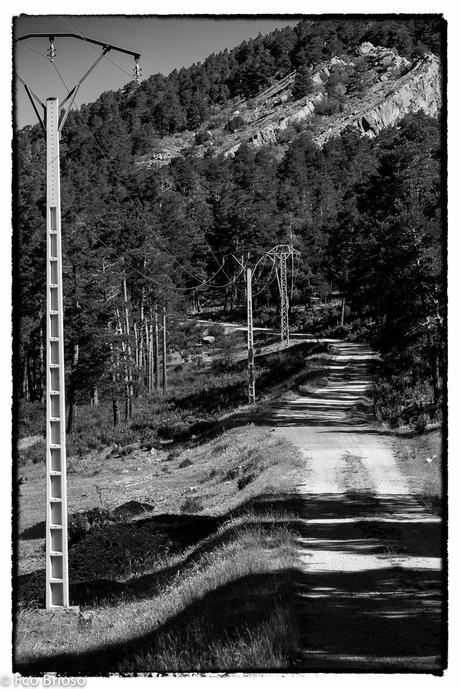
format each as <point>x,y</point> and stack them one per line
<point>369,590</point>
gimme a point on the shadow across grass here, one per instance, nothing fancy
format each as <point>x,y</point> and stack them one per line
<point>225,613</point>
<point>389,618</point>
<point>121,550</point>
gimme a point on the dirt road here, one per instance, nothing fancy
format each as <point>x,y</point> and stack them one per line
<point>370,552</point>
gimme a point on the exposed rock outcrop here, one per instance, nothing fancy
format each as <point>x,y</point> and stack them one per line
<point>389,101</point>
<point>392,87</point>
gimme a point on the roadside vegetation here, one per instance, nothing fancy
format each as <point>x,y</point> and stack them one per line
<point>182,548</point>
<point>205,583</point>
<point>197,397</point>
<point>420,459</point>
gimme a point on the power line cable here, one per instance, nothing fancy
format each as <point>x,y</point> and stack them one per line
<point>25,45</point>
<point>134,204</point>
<point>132,267</point>
<point>120,182</point>
<point>60,75</point>
<point>101,52</point>
<point>232,281</point>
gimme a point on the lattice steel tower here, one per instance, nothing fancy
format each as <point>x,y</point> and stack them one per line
<point>279,255</point>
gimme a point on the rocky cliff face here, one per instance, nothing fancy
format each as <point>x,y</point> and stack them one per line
<point>391,87</point>
<point>391,98</point>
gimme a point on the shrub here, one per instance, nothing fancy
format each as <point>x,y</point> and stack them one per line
<point>244,481</point>
<point>185,463</point>
<point>328,106</point>
<point>303,83</point>
<point>286,135</point>
<point>31,418</point>
<point>82,523</point>
<point>421,423</point>
<point>33,454</point>
<point>191,505</point>
<point>216,330</point>
<point>234,124</point>
<point>202,137</point>
<point>216,121</point>
<point>401,400</point>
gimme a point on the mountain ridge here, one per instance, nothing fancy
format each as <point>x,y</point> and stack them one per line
<point>394,87</point>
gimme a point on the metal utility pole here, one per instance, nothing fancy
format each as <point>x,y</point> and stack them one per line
<point>251,372</point>
<point>52,121</point>
<point>279,255</point>
<point>57,580</point>
<point>165,379</point>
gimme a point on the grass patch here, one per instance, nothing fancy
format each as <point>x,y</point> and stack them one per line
<point>203,583</point>
<point>230,608</point>
<point>420,460</point>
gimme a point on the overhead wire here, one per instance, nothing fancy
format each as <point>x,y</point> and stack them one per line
<point>131,200</point>
<point>230,280</point>
<point>101,52</point>
<point>202,284</point>
<point>115,173</point>
<point>60,75</point>
<point>137,210</point>
<point>131,266</point>
<point>25,45</point>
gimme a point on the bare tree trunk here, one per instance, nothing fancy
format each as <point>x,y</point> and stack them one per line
<point>150,356</point>
<point>115,405</point>
<point>157,352</point>
<point>34,373</point>
<point>136,345</point>
<point>25,379</point>
<point>142,338</point>
<point>342,315</point>
<point>30,386</point>
<point>126,377</point>
<point>41,362</point>
<point>94,396</point>
<point>129,402</point>
<point>165,378</point>
<point>435,375</point>
<point>165,375</point>
<point>71,397</point>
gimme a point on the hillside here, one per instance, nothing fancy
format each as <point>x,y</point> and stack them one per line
<point>370,92</point>
<point>301,530</point>
<point>326,135</point>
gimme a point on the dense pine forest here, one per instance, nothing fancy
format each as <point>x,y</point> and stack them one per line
<point>365,213</point>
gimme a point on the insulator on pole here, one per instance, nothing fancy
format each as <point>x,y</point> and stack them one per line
<point>137,71</point>
<point>51,49</point>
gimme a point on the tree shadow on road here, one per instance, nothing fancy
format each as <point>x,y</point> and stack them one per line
<point>390,618</point>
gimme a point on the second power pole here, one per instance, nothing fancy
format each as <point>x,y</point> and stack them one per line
<point>251,376</point>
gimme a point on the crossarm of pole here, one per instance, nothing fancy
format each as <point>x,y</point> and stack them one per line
<point>70,98</point>
<point>80,38</point>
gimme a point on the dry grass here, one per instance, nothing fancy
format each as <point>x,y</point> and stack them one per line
<point>108,480</point>
<point>420,460</point>
<point>217,601</point>
<point>151,635</point>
